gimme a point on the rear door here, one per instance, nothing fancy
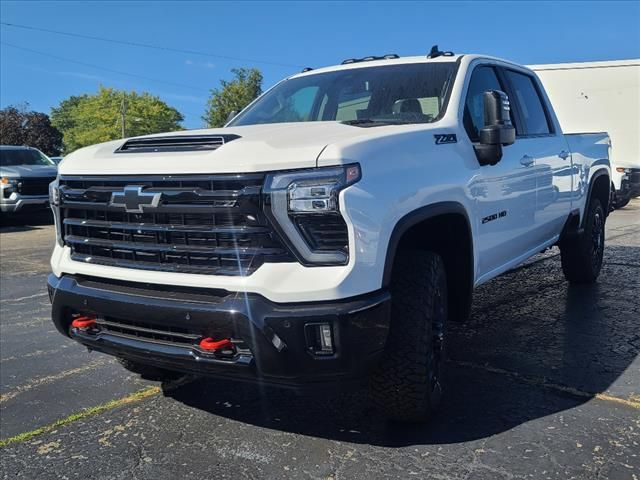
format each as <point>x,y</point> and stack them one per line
<point>546,146</point>
<point>504,194</point>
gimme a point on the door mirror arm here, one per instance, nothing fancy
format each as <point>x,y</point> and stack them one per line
<point>498,131</point>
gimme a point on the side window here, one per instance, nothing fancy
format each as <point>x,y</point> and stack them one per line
<point>482,79</point>
<point>529,103</point>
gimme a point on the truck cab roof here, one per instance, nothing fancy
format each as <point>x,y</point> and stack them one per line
<point>404,61</point>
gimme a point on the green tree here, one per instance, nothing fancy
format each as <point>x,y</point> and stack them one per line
<point>233,96</point>
<point>23,127</point>
<point>111,114</point>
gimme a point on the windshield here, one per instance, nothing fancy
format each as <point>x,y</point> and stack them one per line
<point>22,156</point>
<point>408,93</point>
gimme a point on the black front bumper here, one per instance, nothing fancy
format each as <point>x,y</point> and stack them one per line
<point>274,333</point>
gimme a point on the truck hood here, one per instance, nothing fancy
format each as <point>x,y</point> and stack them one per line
<point>260,148</point>
<point>24,171</point>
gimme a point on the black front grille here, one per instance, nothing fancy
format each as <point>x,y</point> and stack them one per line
<point>177,337</point>
<point>195,224</point>
<point>148,332</point>
<point>35,186</point>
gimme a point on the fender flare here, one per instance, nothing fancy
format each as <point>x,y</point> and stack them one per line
<point>597,174</point>
<point>412,219</point>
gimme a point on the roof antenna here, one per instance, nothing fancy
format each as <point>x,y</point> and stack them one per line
<point>435,53</point>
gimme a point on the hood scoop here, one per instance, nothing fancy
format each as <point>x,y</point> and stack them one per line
<point>175,143</point>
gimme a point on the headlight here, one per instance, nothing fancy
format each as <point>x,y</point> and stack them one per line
<point>304,207</point>
<point>10,184</point>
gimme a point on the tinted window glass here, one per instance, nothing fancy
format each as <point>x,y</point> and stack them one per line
<point>23,156</point>
<point>482,79</point>
<point>529,102</point>
<point>413,93</point>
<point>351,105</point>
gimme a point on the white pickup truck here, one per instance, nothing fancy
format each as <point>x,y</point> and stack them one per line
<point>330,231</point>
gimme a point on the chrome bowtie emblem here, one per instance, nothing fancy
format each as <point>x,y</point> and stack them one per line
<point>134,199</point>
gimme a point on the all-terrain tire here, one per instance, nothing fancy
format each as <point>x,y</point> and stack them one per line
<point>149,372</point>
<point>582,255</point>
<point>407,386</point>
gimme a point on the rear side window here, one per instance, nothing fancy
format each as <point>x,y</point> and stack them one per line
<point>482,79</point>
<point>529,103</point>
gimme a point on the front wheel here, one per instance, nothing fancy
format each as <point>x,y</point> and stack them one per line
<point>408,383</point>
<point>582,255</point>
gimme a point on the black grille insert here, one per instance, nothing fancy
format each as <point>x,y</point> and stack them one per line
<point>148,332</point>
<point>35,186</point>
<point>200,224</point>
<point>324,232</point>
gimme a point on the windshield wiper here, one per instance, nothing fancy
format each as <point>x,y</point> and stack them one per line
<point>373,122</point>
<point>360,122</point>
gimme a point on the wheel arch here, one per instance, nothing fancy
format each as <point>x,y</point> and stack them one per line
<point>600,187</point>
<point>453,241</point>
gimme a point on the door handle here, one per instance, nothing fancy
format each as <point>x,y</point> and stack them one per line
<point>564,154</point>
<point>527,161</point>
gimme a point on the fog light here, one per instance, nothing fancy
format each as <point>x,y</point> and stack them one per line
<point>319,338</point>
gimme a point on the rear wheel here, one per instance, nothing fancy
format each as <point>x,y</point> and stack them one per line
<point>582,255</point>
<point>408,383</point>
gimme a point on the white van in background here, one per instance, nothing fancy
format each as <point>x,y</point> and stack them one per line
<point>601,97</point>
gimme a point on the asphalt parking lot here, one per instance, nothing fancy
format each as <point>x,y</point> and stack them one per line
<point>544,382</point>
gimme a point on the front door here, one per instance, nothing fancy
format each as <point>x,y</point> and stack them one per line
<point>504,194</point>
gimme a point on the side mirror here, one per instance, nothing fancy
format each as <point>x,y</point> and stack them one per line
<point>232,115</point>
<point>497,131</point>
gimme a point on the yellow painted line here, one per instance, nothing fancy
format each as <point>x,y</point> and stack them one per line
<point>35,353</point>
<point>133,398</point>
<point>623,401</point>
<point>633,402</point>
<point>48,379</point>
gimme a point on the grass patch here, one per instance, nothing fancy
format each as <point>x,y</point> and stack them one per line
<point>133,398</point>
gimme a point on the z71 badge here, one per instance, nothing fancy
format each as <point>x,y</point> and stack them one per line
<point>442,138</point>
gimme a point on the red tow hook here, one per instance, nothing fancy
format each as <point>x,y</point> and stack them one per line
<point>83,323</point>
<point>210,345</point>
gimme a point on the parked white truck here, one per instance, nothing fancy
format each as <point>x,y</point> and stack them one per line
<point>601,97</point>
<point>330,231</point>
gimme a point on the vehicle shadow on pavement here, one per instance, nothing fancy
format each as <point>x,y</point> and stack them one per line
<point>534,346</point>
<point>22,222</point>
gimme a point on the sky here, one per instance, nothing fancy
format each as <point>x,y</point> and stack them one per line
<point>279,38</point>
